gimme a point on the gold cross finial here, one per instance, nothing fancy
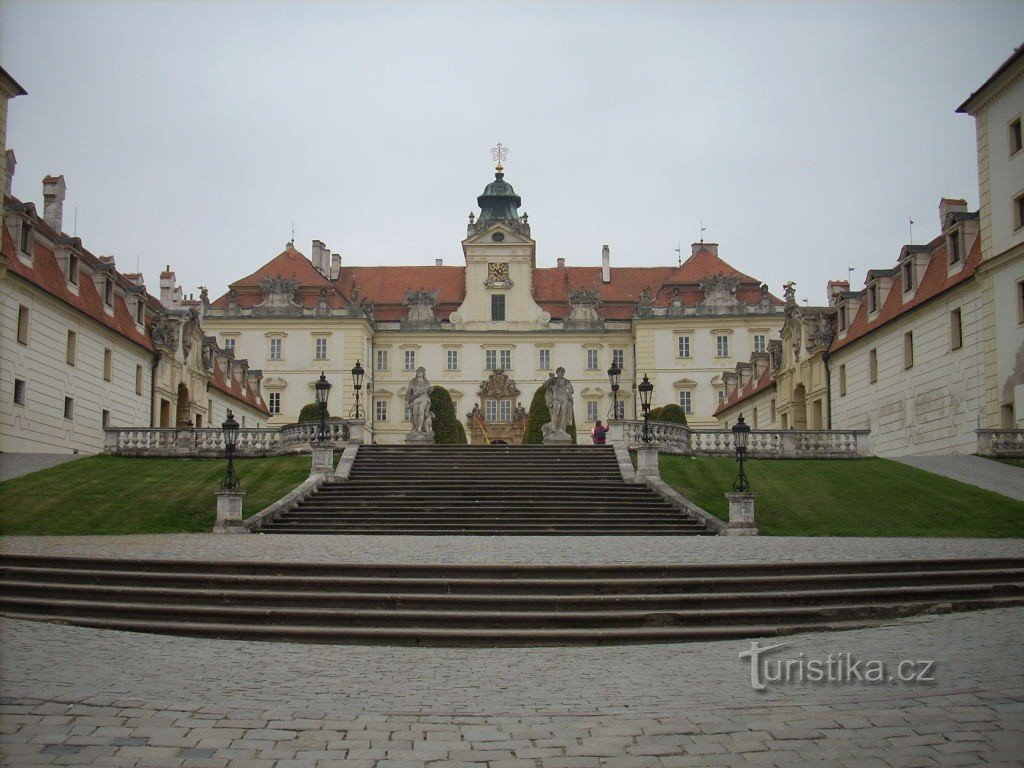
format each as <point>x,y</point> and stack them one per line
<point>498,154</point>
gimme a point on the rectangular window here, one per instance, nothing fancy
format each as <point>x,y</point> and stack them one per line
<point>505,359</point>
<point>1018,212</point>
<point>410,359</point>
<point>382,359</point>
<point>69,408</point>
<point>108,364</point>
<point>908,276</point>
<point>619,358</point>
<point>1020,302</point>
<point>140,312</point>
<point>72,348</point>
<point>274,403</point>
<point>19,391</point>
<point>721,396</point>
<point>544,358</point>
<point>591,410</point>
<point>497,307</point>
<point>686,401</point>
<point>842,381</point>
<point>380,410</point>
<point>753,420</point>
<point>105,419</point>
<point>684,346</point>
<point>490,410</point>
<point>873,366</point>
<point>956,329</point>
<point>620,410</point>
<point>229,345</point>
<point>842,317</point>
<point>22,324</point>
<point>1015,136</point>
<point>25,242</point>
<point>490,359</point>
<point>453,359</point>
<point>773,410</point>
<point>908,349</point>
<point>873,297</point>
<point>108,292</point>
<point>760,342</point>
<point>953,245</point>
<point>275,349</point>
<point>321,349</point>
<point>407,416</point>
<point>73,269</point>
<point>138,381</point>
<point>591,359</point>
<point>722,346</point>
<point>505,410</point>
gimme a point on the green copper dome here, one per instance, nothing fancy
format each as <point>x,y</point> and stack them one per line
<point>499,201</point>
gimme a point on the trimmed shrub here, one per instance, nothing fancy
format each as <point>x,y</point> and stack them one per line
<point>672,413</point>
<point>538,416</point>
<point>654,414</point>
<point>447,429</point>
<point>311,412</point>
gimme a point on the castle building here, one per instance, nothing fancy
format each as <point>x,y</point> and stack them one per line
<point>492,330</point>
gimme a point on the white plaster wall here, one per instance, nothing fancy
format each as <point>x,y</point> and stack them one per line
<point>39,426</point>
<point>1009,337</point>
<point>1005,173</point>
<point>933,407</point>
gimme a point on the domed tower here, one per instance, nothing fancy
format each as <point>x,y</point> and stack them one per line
<point>499,204</point>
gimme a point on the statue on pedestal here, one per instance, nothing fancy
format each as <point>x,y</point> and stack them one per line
<point>417,397</point>
<point>558,393</point>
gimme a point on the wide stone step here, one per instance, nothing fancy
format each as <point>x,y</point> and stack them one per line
<point>407,529</point>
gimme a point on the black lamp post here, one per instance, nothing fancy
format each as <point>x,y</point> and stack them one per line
<point>646,388</point>
<point>613,378</point>
<point>230,481</point>
<point>741,437</point>
<point>323,391</point>
<point>357,384</point>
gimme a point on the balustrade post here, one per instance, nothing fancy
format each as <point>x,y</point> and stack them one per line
<point>788,448</point>
<point>647,461</point>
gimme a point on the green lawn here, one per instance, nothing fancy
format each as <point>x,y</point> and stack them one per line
<point>1013,462</point>
<point>114,495</point>
<point>856,497</point>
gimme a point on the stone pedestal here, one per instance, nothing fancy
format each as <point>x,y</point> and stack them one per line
<point>558,438</point>
<point>616,432</point>
<point>357,431</point>
<point>647,462</point>
<point>323,459</point>
<point>229,512</point>
<point>741,514</point>
<point>420,438</point>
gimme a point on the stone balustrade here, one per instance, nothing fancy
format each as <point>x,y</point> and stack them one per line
<point>765,444</point>
<point>252,441</point>
<point>1001,443</point>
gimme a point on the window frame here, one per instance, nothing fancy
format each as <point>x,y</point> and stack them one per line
<point>764,342</point>
<point>543,359</point>
<point>956,329</point>
<point>71,348</point>
<point>872,366</point>
<point>908,350</point>
<point>452,358</point>
<point>20,393</point>
<point>276,352</point>
<point>409,360</point>
<point>23,324</point>
<point>380,406</point>
<point>498,307</point>
<point>721,342</point>
<point>108,364</point>
<point>686,400</point>
<point>381,356</point>
<point>593,360</point>
<point>274,403</point>
<point>842,380</point>
<point>1014,136</point>
<point>320,348</point>
<point>69,408</point>
<point>593,410</point>
<point>683,340</point>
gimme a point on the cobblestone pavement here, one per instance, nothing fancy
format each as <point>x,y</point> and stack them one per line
<point>79,696</point>
<point>974,470</point>
<point>500,549</point>
<point>18,464</point>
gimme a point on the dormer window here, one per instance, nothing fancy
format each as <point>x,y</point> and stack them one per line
<point>953,247</point>
<point>108,292</point>
<point>873,297</point>
<point>25,240</point>
<point>73,269</point>
<point>140,312</point>
<point>842,317</point>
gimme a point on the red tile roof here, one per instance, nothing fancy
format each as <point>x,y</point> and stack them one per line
<point>239,391</point>
<point>934,282</point>
<point>752,388</point>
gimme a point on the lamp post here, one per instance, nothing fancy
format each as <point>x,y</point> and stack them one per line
<point>613,378</point>
<point>230,481</point>
<point>323,391</point>
<point>646,388</point>
<point>741,437</point>
<point>357,385</point>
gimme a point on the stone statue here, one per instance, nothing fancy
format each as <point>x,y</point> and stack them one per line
<point>417,397</point>
<point>558,398</point>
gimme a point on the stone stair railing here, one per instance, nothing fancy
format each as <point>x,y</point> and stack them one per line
<point>252,441</point>
<point>1001,443</point>
<point>768,443</point>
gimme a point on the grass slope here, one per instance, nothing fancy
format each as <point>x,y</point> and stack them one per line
<point>115,495</point>
<point>862,497</point>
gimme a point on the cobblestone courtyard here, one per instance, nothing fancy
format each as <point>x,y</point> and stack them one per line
<point>78,696</point>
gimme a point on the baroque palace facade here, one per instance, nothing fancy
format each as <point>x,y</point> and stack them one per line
<point>493,330</point>
<point>929,354</point>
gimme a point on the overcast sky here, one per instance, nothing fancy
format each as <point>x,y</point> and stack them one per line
<point>804,134</point>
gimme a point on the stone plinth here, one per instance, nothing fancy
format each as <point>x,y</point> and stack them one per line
<point>420,438</point>
<point>357,431</point>
<point>616,432</point>
<point>647,462</point>
<point>323,459</point>
<point>229,512</point>
<point>558,438</point>
<point>741,514</point>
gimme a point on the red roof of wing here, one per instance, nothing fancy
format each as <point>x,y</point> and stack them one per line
<point>240,391</point>
<point>288,263</point>
<point>752,388</point>
<point>46,274</point>
<point>934,282</point>
<point>551,287</point>
<point>386,287</point>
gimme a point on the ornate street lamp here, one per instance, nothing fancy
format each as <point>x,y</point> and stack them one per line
<point>613,378</point>
<point>357,384</point>
<point>323,391</point>
<point>230,481</point>
<point>741,437</point>
<point>646,388</point>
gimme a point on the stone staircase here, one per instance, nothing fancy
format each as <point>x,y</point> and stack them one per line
<point>494,604</point>
<point>484,490</point>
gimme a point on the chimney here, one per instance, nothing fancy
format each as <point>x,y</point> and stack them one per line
<point>606,264</point>
<point>10,162</point>
<point>167,291</point>
<point>320,264</point>
<point>836,287</point>
<point>561,262</point>
<point>335,265</point>
<point>438,262</point>
<point>696,248</point>
<point>948,205</point>
<point>53,201</point>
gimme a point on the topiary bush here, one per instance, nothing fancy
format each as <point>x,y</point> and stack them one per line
<point>311,412</point>
<point>538,416</point>
<point>447,429</point>
<point>672,413</point>
<point>654,414</point>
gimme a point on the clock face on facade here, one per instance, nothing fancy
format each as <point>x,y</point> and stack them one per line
<point>498,237</point>
<point>497,273</point>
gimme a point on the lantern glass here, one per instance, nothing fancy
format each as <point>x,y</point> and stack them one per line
<point>646,388</point>
<point>357,376</point>
<point>613,376</point>
<point>323,390</point>
<point>741,433</point>
<point>230,427</point>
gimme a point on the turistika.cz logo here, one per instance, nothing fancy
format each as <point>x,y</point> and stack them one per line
<point>836,668</point>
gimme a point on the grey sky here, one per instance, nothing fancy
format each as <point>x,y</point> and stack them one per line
<point>804,134</point>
